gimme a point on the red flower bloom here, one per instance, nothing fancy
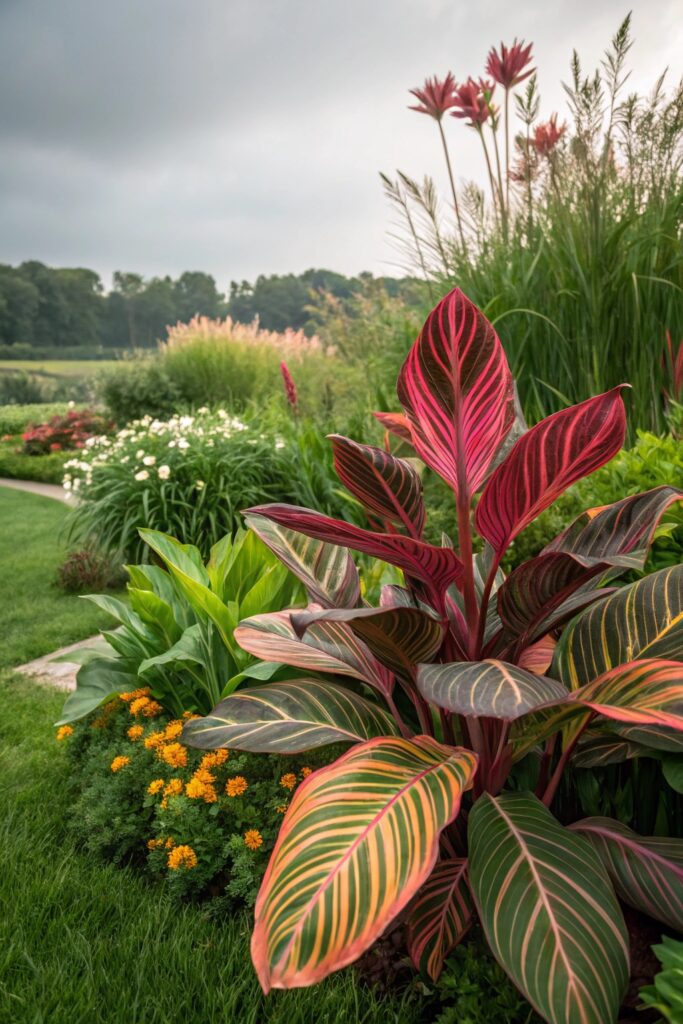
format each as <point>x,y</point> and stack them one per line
<point>55,446</point>
<point>290,386</point>
<point>436,96</point>
<point>473,101</point>
<point>547,136</point>
<point>508,67</point>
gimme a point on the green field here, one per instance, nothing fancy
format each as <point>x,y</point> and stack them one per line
<point>56,367</point>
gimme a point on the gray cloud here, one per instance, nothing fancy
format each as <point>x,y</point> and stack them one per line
<point>245,136</point>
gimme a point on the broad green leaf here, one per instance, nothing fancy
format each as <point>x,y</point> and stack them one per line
<point>82,655</point>
<point>359,839</point>
<point>189,648</point>
<point>156,612</point>
<point>326,570</point>
<point>184,557</point>
<point>646,871</point>
<point>492,689</point>
<point>548,910</point>
<point>97,682</point>
<point>643,620</point>
<point>440,916</point>
<point>289,717</point>
<point>672,769</point>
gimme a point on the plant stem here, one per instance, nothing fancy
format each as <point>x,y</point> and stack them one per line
<point>466,556</point>
<point>406,733</point>
<point>551,788</point>
<point>456,205</point>
<point>488,167</point>
<point>483,607</point>
<point>507,148</point>
<point>501,195</point>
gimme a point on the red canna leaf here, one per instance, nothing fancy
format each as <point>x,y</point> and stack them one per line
<point>388,487</point>
<point>397,424</point>
<point>457,391</point>
<point>436,567</point>
<point>548,459</point>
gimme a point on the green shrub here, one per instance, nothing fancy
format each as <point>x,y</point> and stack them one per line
<point>15,418</point>
<point>138,387</point>
<point>666,994</point>
<point>86,570</point>
<point>24,389</point>
<point>46,469</point>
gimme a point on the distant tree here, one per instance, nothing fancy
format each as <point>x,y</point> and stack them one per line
<point>19,302</point>
<point>195,294</point>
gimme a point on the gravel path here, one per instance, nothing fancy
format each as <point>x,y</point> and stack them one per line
<point>34,487</point>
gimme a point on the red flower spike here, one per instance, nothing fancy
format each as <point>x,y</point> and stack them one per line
<point>547,135</point>
<point>509,66</point>
<point>545,461</point>
<point>290,386</point>
<point>473,101</point>
<point>435,97</point>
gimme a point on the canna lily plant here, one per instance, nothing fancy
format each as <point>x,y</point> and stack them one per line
<point>461,687</point>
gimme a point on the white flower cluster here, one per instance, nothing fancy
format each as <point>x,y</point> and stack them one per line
<point>132,444</point>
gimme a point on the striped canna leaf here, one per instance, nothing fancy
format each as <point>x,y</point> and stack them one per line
<point>436,567</point>
<point>440,916</point>
<point>643,620</point>
<point>646,871</point>
<point>286,718</point>
<point>619,534</point>
<point>397,424</point>
<point>326,570</point>
<point>398,636</point>
<point>457,392</point>
<point>490,689</point>
<point>545,461</point>
<point>388,487</point>
<point>358,841</point>
<point>548,910</point>
<point>324,647</point>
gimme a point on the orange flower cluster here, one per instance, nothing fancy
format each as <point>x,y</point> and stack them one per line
<point>64,732</point>
<point>288,780</point>
<point>236,786</point>
<point>253,839</point>
<point>174,754</point>
<point>182,857</point>
<point>119,762</point>
<point>134,733</point>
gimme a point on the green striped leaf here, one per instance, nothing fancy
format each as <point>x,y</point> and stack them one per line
<point>646,871</point>
<point>398,636</point>
<point>440,916</point>
<point>286,718</point>
<point>324,647</point>
<point>548,910</point>
<point>359,839</point>
<point>492,689</point>
<point>643,620</point>
<point>326,570</point>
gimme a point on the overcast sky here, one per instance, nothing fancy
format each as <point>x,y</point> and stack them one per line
<point>245,136</point>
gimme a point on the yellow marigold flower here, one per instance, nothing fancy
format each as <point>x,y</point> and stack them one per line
<point>195,789</point>
<point>281,808</point>
<point>189,715</point>
<point>64,732</point>
<point>119,762</point>
<point>154,740</point>
<point>253,839</point>
<point>236,786</point>
<point>204,776</point>
<point>151,709</point>
<point>135,732</point>
<point>174,754</point>
<point>215,758</point>
<point>288,780</point>
<point>174,787</point>
<point>170,843</point>
<point>137,706</point>
<point>154,844</point>
<point>134,694</point>
<point>210,795</point>
<point>182,857</point>
<point>173,730</point>
<point>155,787</point>
<point>305,772</point>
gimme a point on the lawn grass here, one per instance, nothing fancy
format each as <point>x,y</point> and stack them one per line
<point>57,367</point>
<point>37,616</point>
<point>83,942</point>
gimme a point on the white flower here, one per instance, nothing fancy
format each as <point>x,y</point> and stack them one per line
<point>71,404</point>
<point>66,484</point>
<point>204,409</point>
<point>149,460</point>
<point>186,421</point>
<point>90,441</point>
<point>171,444</point>
<point>124,460</point>
<point>222,414</point>
<point>200,485</point>
<point>76,484</point>
<point>142,475</point>
<point>182,443</point>
<point>140,453</point>
<point>164,472</point>
<point>279,444</point>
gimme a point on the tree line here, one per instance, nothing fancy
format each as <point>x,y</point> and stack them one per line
<point>59,308</point>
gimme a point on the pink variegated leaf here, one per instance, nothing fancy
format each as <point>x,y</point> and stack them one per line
<point>440,916</point>
<point>646,871</point>
<point>388,487</point>
<point>457,391</point>
<point>436,567</point>
<point>548,459</point>
<point>397,424</point>
<point>537,658</point>
<point>536,589</point>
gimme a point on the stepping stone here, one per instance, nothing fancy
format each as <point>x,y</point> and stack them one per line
<point>61,674</point>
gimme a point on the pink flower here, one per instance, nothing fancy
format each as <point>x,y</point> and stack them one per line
<point>507,67</point>
<point>436,96</point>
<point>290,386</point>
<point>55,446</point>
<point>547,136</point>
<point>473,101</point>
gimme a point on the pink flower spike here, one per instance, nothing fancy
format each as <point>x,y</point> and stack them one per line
<point>473,101</point>
<point>435,97</point>
<point>509,66</point>
<point>290,386</point>
<point>547,136</point>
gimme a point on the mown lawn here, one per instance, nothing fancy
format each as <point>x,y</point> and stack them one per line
<point>57,367</point>
<point>83,942</point>
<point>36,615</point>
